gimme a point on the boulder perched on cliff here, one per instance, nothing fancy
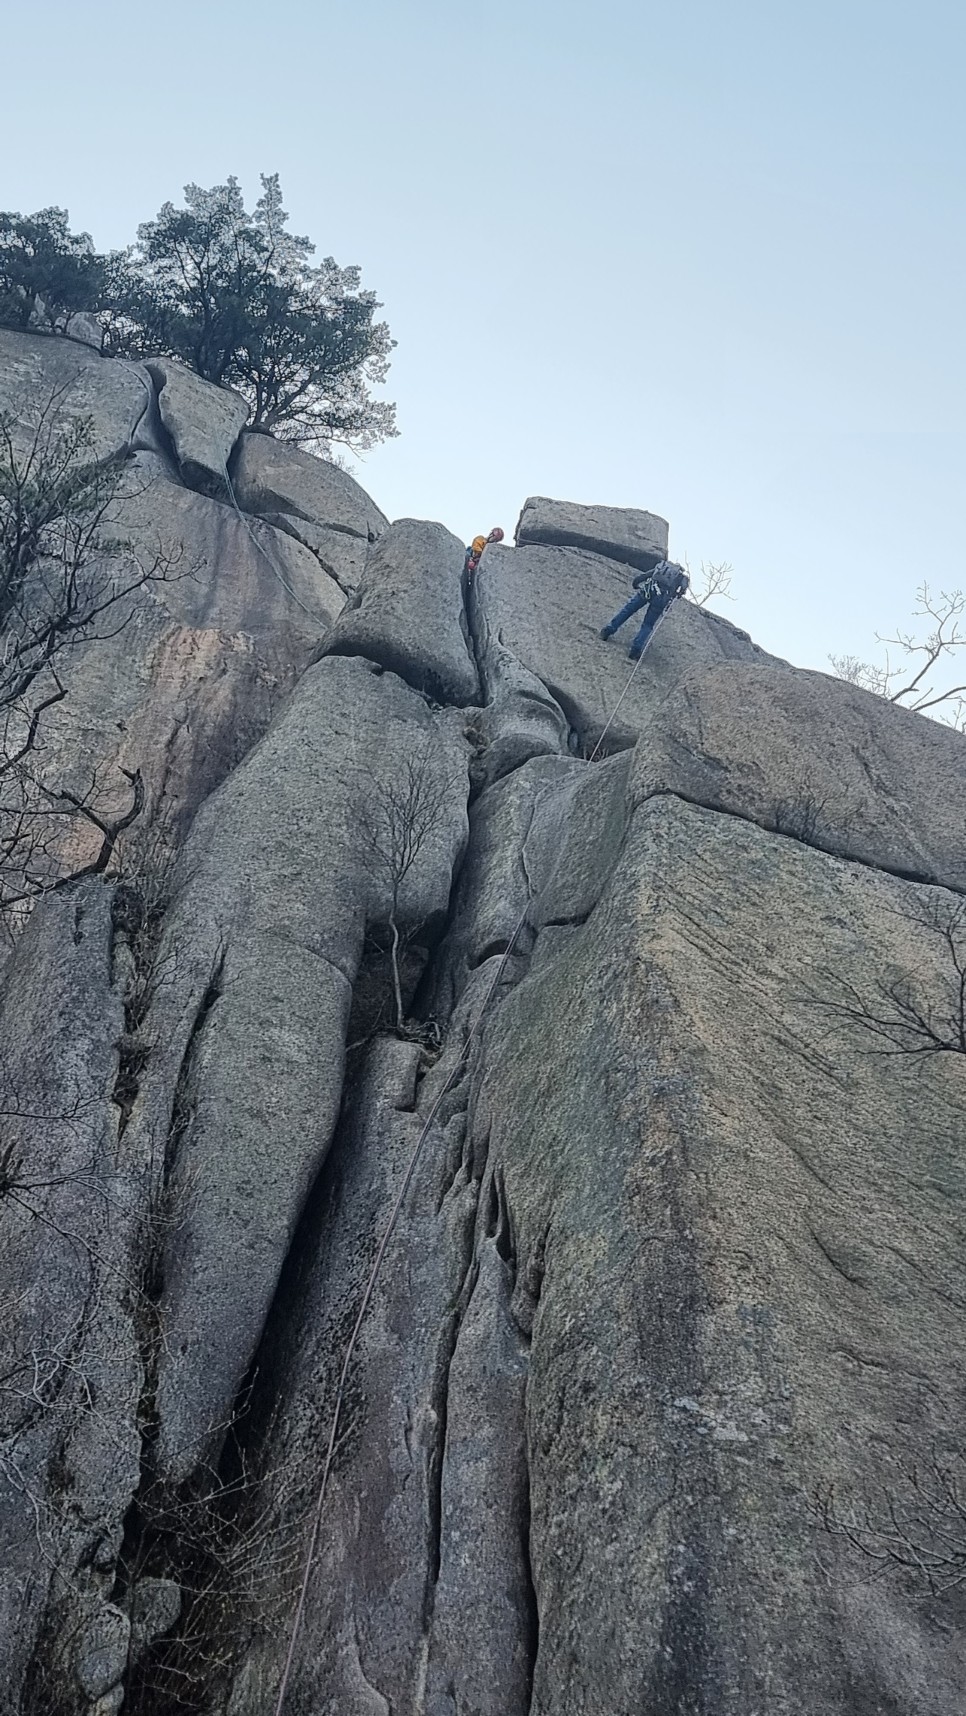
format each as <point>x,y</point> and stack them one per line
<point>635,537</point>
<point>311,499</point>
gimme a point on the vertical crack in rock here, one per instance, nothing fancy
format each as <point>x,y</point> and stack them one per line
<point>560,1485</point>
<point>152,1519</point>
<point>439,1404</point>
<point>524,1307</point>
<point>481,1627</point>
<point>470,624</point>
<point>152,434</point>
<point>181,1107</point>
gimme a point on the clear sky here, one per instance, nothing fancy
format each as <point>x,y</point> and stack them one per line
<point>702,256</point>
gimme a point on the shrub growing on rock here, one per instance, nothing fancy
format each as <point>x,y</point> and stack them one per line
<point>233,294</point>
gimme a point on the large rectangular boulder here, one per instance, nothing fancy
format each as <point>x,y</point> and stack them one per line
<point>311,499</point>
<point>621,533</point>
<point>408,613</point>
<point>272,476</point>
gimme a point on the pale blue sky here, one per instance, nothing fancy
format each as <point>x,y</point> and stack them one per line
<point>705,257</point>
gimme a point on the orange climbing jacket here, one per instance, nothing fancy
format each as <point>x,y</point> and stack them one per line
<point>477,546</point>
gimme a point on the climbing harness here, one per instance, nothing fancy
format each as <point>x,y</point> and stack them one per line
<point>390,1227</point>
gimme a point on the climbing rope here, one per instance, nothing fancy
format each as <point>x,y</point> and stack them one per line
<point>613,713</point>
<point>394,1214</point>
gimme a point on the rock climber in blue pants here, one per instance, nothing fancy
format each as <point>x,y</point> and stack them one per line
<point>654,591</point>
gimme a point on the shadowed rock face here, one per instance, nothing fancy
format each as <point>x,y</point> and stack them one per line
<point>201,423</point>
<point>668,1338</point>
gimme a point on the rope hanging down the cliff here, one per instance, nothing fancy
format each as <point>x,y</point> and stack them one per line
<point>611,717</point>
<point>412,1165</point>
<point>246,521</point>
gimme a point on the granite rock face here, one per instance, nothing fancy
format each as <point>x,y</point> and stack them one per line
<point>626,1097</point>
<point>817,759</point>
<point>312,500</point>
<point>536,615</point>
<point>72,1372</point>
<point>200,658</point>
<point>279,881</point>
<point>203,423</point>
<point>272,476</point>
<point>48,380</point>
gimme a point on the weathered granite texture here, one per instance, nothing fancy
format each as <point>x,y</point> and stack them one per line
<point>668,1337</point>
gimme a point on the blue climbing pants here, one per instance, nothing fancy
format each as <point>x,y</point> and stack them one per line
<point>639,600</point>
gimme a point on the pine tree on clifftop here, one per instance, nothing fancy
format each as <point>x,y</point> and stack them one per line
<point>233,295</point>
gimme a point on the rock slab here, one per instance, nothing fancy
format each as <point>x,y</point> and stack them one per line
<point>202,421</point>
<point>621,533</point>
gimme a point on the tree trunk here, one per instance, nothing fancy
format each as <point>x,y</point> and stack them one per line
<point>397,986</point>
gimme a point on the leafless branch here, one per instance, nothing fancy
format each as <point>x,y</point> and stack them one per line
<point>67,578</point>
<point>396,819</point>
<point>917,1528</point>
<point>907,680</point>
<point>895,1011</point>
<point>713,581</point>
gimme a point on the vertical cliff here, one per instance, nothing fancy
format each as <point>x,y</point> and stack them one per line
<point>666,1347</point>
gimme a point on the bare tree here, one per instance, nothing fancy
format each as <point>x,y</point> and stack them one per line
<point>894,1011</point>
<point>713,581</point>
<point>230,1541</point>
<point>397,817</point>
<point>907,674</point>
<point>917,1528</point>
<point>66,579</point>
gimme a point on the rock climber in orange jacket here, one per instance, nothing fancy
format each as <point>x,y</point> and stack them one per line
<point>477,546</point>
